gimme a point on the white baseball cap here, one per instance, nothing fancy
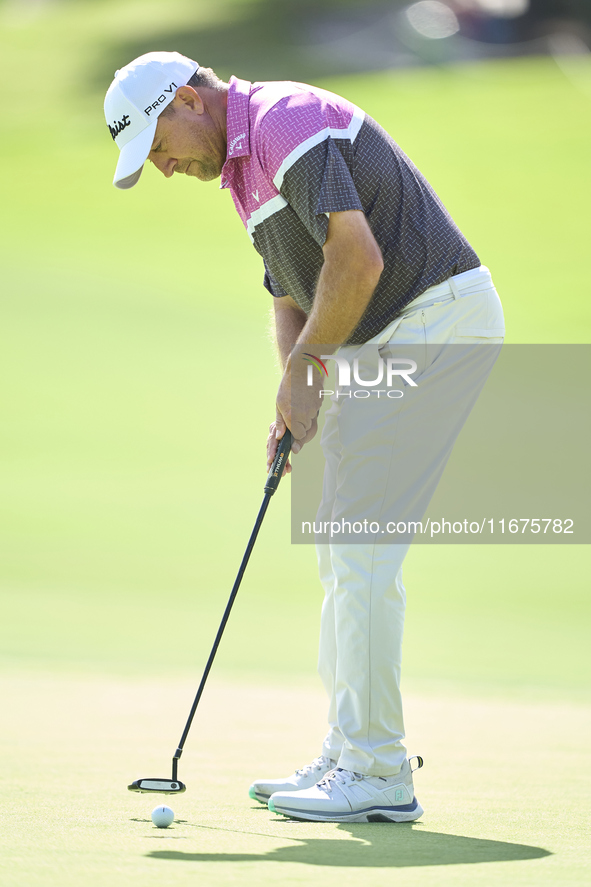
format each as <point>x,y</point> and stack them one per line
<point>134,100</point>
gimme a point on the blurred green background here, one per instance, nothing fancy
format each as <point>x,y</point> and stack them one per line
<point>138,373</point>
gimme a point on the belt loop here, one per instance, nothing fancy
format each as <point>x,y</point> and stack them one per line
<point>454,288</point>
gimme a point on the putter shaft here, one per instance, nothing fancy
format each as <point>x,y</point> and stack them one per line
<point>271,485</point>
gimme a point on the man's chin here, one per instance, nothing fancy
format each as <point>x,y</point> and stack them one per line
<point>204,173</point>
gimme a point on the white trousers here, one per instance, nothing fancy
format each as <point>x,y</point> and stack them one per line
<point>363,611</point>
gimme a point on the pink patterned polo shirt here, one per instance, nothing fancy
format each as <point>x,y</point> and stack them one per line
<point>297,153</point>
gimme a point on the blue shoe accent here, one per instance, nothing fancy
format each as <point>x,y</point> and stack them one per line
<point>374,814</point>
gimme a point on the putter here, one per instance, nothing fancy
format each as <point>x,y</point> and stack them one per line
<point>172,786</point>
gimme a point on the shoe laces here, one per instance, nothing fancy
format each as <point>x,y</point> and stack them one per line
<point>338,775</point>
<point>318,763</point>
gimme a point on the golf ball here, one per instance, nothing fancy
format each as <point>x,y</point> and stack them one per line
<point>162,816</point>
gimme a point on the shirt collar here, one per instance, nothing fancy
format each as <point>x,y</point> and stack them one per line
<point>238,124</point>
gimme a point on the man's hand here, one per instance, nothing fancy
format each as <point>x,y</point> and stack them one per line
<point>298,403</point>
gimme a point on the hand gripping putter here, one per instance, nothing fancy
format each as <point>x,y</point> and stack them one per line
<point>172,786</point>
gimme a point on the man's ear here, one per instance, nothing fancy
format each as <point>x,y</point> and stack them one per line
<point>189,98</point>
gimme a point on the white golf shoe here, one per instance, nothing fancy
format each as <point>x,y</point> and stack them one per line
<point>308,776</point>
<point>344,796</point>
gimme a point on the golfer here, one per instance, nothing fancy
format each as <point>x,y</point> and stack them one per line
<point>361,259</point>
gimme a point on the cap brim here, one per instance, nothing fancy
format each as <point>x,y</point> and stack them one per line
<point>133,156</point>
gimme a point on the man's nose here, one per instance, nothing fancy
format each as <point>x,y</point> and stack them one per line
<point>164,164</point>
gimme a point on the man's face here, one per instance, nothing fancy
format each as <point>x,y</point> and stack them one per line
<point>189,141</point>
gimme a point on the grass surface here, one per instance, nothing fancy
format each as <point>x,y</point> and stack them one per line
<point>138,380</point>
<point>506,795</point>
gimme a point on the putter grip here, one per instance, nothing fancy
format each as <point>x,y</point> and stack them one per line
<point>278,465</point>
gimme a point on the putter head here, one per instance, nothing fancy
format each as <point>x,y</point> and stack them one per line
<point>159,786</point>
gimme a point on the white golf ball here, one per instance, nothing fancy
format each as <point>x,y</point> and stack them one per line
<point>162,816</point>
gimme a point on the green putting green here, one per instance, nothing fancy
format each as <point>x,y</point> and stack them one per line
<point>138,383</point>
<point>503,787</point>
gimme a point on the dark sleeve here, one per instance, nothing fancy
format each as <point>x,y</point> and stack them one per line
<point>320,182</point>
<point>271,284</point>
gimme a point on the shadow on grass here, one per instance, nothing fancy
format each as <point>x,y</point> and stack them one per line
<point>380,845</point>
